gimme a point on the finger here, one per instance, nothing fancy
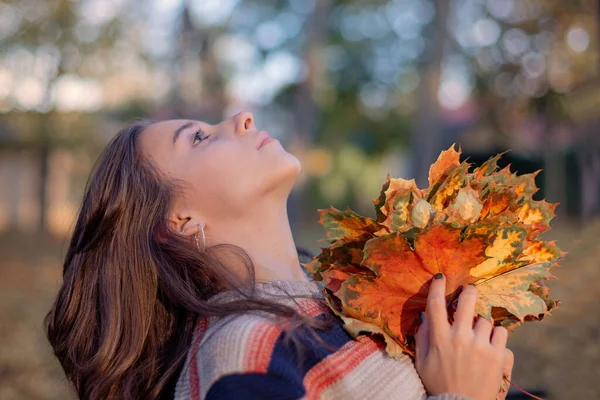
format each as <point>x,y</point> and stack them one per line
<point>483,330</point>
<point>436,309</point>
<point>422,341</point>
<point>509,360</point>
<point>463,319</point>
<point>499,336</point>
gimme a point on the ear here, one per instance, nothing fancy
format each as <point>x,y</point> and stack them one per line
<point>185,223</point>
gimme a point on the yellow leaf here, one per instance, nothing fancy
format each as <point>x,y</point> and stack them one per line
<point>510,291</point>
<point>445,193</point>
<point>540,252</point>
<point>503,250</point>
<point>446,162</point>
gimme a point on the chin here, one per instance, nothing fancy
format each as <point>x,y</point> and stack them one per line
<point>290,168</point>
<point>297,164</point>
<point>282,177</point>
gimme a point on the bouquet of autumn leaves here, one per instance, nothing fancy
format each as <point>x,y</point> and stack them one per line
<point>478,227</point>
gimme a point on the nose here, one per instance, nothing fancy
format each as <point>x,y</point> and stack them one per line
<point>244,123</point>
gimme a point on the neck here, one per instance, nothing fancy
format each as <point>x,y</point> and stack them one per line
<point>267,237</point>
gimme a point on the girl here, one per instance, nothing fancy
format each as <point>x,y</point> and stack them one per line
<point>182,280</point>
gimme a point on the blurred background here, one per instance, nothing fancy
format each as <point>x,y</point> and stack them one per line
<point>354,89</point>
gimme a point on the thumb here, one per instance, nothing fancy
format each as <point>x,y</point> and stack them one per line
<point>422,341</point>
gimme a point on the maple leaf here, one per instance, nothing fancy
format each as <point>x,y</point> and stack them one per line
<point>347,226</point>
<point>488,167</point>
<point>497,199</point>
<point>394,298</point>
<point>477,227</point>
<point>448,189</point>
<point>395,202</point>
<point>510,290</point>
<point>447,161</point>
<point>319,263</point>
<point>466,207</point>
<point>505,246</point>
<point>347,258</point>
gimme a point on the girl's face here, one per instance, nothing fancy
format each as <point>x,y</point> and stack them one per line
<point>225,174</point>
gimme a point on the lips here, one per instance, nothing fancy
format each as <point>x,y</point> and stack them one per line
<point>262,137</point>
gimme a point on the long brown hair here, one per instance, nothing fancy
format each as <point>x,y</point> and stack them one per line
<point>132,289</point>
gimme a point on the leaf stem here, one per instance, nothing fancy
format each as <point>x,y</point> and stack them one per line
<point>521,389</point>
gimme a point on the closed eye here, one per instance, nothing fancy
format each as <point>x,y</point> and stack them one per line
<point>199,136</point>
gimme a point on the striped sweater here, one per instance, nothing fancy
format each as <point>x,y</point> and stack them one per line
<point>246,357</point>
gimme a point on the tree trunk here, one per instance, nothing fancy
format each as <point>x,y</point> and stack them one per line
<point>306,111</point>
<point>426,134</point>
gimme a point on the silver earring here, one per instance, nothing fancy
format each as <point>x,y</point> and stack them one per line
<point>203,239</point>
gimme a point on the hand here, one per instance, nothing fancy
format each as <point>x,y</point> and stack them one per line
<point>460,358</point>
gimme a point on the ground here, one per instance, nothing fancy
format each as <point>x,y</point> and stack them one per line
<point>559,355</point>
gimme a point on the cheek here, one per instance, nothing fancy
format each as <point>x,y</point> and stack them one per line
<point>229,177</point>
<point>222,175</point>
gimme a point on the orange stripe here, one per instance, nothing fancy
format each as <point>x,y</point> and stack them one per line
<point>261,341</point>
<point>338,365</point>
<point>311,308</point>
<point>260,345</point>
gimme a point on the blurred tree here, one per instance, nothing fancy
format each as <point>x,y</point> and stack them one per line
<point>194,65</point>
<point>426,135</point>
<point>525,56</point>
<point>371,76</point>
<point>58,38</point>
<point>306,109</point>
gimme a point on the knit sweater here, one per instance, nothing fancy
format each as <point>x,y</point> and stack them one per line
<point>246,357</point>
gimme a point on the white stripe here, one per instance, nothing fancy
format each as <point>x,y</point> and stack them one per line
<point>378,377</point>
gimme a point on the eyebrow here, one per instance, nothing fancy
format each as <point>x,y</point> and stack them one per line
<point>180,129</point>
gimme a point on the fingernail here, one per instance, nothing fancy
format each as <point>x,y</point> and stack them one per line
<point>472,284</point>
<point>439,275</point>
<point>421,317</point>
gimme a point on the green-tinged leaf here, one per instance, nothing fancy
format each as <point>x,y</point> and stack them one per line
<point>346,226</point>
<point>448,190</point>
<point>381,200</point>
<point>497,199</point>
<point>510,291</point>
<point>504,248</point>
<point>400,194</point>
<point>319,263</point>
<point>488,167</point>
<point>539,251</point>
<point>537,214</point>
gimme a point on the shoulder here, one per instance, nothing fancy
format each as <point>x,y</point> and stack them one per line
<point>231,345</point>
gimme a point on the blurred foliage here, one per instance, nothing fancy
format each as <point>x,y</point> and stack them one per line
<point>324,74</point>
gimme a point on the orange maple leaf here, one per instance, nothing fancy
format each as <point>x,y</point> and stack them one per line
<point>397,294</point>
